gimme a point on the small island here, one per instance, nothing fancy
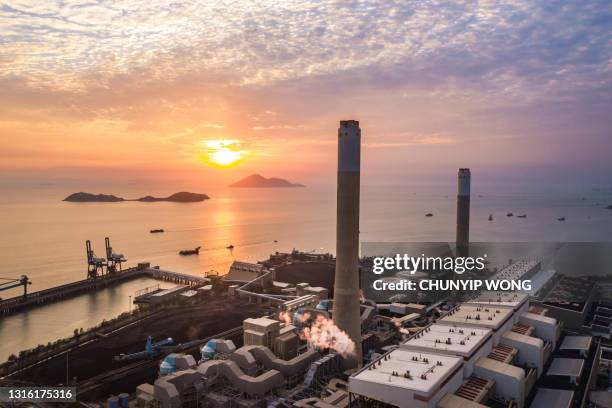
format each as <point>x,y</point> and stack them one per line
<point>258,181</point>
<point>82,197</point>
<point>181,197</point>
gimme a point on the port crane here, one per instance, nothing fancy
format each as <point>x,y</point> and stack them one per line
<point>10,283</point>
<point>93,262</point>
<point>112,259</point>
<point>152,350</point>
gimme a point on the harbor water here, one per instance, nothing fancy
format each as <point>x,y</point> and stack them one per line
<point>44,237</point>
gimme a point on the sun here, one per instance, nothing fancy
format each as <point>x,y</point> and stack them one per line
<point>223,153</point>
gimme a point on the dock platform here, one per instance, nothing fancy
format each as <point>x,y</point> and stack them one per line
<point>14,304</point>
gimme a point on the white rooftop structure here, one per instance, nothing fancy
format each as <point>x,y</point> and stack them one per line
<point>548,397</point>
<point>498,319</point>
<point>470,343</point>
<point>566,367</point>
<point>514,300</point>
<point>456,340</point>
<point>539,281</point>
<point>407,378</point>
<point>579,343</point>
<point>518,270</point>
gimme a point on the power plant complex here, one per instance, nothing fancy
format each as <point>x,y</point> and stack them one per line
<point>312,340</point>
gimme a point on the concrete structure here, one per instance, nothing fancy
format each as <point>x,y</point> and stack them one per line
<point>549,398</point>
<point>498,319</point>
<point>531,350</point>
<point>463,212</point>
<point>167,294</point>
<point>524,269</point>
<point>260,331</point>
<point>516,301</point>
<point>578,344</point>
<point>570,368</point>
<point>346,285</point>
<point>455,401</point>
<point>407,378</point>
<point>407,308</point>
<point>546,328</point>
<point>466,342</point>
<point>509,379</point>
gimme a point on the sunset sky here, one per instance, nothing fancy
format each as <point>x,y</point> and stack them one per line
<point>516,90</point>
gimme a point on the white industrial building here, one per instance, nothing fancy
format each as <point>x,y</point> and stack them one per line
<point>546,328</point>
<point>515,300</point>
<point>469,343</point>
<point>497,319</point>
<point>409,379</point>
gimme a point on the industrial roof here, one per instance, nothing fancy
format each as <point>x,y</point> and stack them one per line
<point>455,401</point>
<point>502,368</point>
<point>515,271</point>
<point>426,373</point>
<point>260,322</point>
<point>475,389</point>
<point>576,343</point>
<point>548,397</point>
<point>170,291</point>
<point>523,338</point>
<point>501,299</point>
<point>539,280</point>
<point>475,315</point>
<point>539,318</point>
<point>566,367</point>
<point>458,340</point>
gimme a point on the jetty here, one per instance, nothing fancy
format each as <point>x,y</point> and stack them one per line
<point>32,299</point>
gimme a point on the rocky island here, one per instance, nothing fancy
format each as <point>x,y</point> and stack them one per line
<point>258,181</point>
<point>92,198</point>
<point>181,197</point>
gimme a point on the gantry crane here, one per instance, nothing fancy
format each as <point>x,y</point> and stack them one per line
<point>112,259</point>
<point>93,262</point>
<point>10,283</point>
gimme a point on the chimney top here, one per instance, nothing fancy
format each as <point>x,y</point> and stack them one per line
<point>349,123</point>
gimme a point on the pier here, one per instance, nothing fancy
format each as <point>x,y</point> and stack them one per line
<point>14,304</point>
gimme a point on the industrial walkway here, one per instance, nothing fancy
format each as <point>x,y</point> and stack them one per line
<point>11,305</point>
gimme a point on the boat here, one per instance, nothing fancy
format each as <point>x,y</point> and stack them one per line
<point>522,216</point>
<point>195,251</point>
<point>156,231</point>
<point>490,217</point>
<point>509,215</point>
<point>561,219</point>
<point>429,215</point>
<point>230,246</point>
<point>275,241</point>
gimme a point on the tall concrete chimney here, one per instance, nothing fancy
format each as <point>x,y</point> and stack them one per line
<point>346,309</point>
<point>463,212</point>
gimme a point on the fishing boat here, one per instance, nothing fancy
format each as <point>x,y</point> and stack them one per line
<point>156,231</point>
<point>194,251</point>
<point>230,246</point>
<point>490,217</point>
<point>522,216</point>
<point>561,219</point>
<point>429,215</point>
<point>509,214</point>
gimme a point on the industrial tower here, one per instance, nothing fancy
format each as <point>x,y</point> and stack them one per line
<point>346,309</point>
<point>463,212</point>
